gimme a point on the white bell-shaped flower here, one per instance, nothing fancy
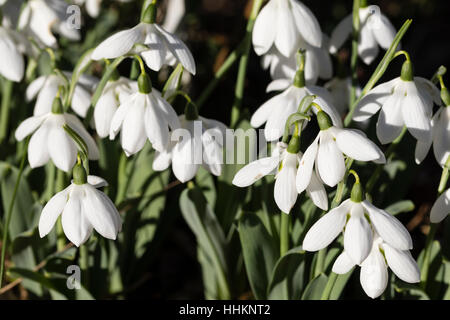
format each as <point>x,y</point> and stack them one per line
<point>143,114</point>
<point>82,208</point>
<point>404,101</point>
<point>45,88</point>
<point>198,142</point>
<point>327,152</point>
<point>283,164</point>
<point>318,63</point>
<point>441,208</point>
<point>374,269</point>
<point>357,217</point>
<point>40,18</point>
<point>156,46</point>
<point>12,46</point>
<point>275,111</point>
<point>440,127</point>
<point>50,141</point>
<point>285,24</point>
<point>116,91</point>
<point>375,30</point>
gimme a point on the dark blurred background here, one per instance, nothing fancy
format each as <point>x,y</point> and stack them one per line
<point>212,29</point>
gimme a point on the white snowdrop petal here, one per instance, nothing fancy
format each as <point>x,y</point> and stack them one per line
<point>254,171</point>
<point>119,116</point>
<point>316,191</point>
<point>51,212</point>
<point>104,111</point>
<point>212,153</point>
<point>373,101</point>
<point>285,192</point>
<point>46,96</point>
<point>74,222</point>
<point>441,136</point>
<point>421,151</point>
<point>307,24</point>
<point>357,235</point>
<point>34,87</point>
<point>402,264</point>
<point>343,264</point>
<point>168,112</point>
<point>178,49</point>
<point>330,161</point>
<point>327,228</point>
<point>286,37</point>
<point>367,46</point>
<point>305,168</point>
<point>382,29</point>
<point>416,114</point>
<point>11,62</point>
<point>133,133</point>
<point>388,227</point>
<point>156,126</point>
<point>81,101</point>
<point>61,148</point>
<point>263,113</point>
<point>162,160</point>
<point>155,57</point>
<point>75,124</point>
<point>278,85</point>
<point>37,148</point>
<point>356,145</point>
<point>340,34</point>
<point>390,122</point>
<point>27,127</point>
<point>275,125</point>
<point>119,44</point>
<point>264,33</point>
<point>187,155</point>
<point>374,274</point>
<point>441,208</point>
<point>96,181</point>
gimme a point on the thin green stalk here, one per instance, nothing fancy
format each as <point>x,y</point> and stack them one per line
<point>320,262</point>
<point>60,238</point>
<point>231,59</point>
<point>124,177</point>
<point>239,90</point>
<point>376,174</point>
<point>84,263</point>
<point>354,57</point>
<point>4,118</point>
<point>329,286</point>
<point>9,213</point>
<point>50,185</point>
<point>284,234</point>
<point>433,227</point>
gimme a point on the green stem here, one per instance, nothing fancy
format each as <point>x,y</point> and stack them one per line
<point>60,238</point>
<point>232,58</point>
<point>4,118</point>
<point>9,213</point>
<point>239,90</point>
<point>354,57</point>
<point>84,263</point>
<point>329,286</point>
<point>124,177</point>
<point>320,262</point>
<point>284,234</point>
<point>376,174</point>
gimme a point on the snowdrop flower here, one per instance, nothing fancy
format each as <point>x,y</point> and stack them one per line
<point>339,89</point>
<point>404,101</point>
<point>116,91</point>
<point>374,273</point>
<point>277,109</point>
<point>156,46</point>
<point>357,217</point>
<point>93,6</point>
<point>283,164</point>
<point>82,208</point>
<point>440,138</point>
<point>50,141</point>
<point>285,24</point>
<point>174,13</point>
<point>46,87</point>
<point>12,46</point>
<point>201,144</point>
<point>143,114</point>
<point>327,152</point>
<point>40,18</point>
<point>375,30</point>
<point>441,208</point>
<point>318,63</point>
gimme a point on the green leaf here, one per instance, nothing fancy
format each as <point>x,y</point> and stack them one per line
<point>259,251</point>
<point>315,288</point>
<point>400,207</point>
<point>210,237</point>
<point>340,284</point>
<point>287,279</point>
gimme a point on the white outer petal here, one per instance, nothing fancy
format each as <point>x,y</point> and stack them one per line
<point>402,263</point>
<point>441,208</point>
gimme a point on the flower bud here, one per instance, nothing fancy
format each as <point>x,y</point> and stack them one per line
<point>57,107</point>
<point>445,96</point>
<point>357,194</point>
<point>407,71</point>
<point>79,174</point>
<point>144,84</point>
<point>323,120</point>
<point>150,14</point>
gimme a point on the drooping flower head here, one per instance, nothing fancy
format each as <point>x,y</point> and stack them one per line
<point>83,208</point>
<point>155,45</point>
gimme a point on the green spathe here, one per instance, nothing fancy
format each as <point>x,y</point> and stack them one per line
<point>357,194</point>
<point>57,107</point>
<point>407,71</point>
<point>323,120</point>
<point>144,84</point>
